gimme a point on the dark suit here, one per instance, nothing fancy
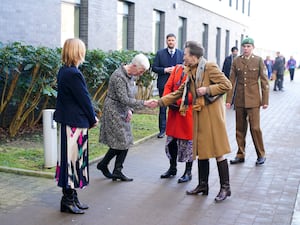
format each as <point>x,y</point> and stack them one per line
<point>73,104</point>
<point>162,60</point>
<point>227,65</point>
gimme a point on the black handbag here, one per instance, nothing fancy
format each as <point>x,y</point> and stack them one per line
<point>174,107</point>
<point>210,99</point>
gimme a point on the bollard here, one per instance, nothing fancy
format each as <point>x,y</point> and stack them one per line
<point>50,138</point>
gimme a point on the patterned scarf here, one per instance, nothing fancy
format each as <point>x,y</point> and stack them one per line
<point>199,101</point>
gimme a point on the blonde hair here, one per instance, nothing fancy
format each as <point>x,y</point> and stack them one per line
<point>73,52</point>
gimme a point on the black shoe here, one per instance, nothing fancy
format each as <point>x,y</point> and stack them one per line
<point>104,170</point>
<point>119,175</point>
<point>161,135</point>
<point>169,173</point>
<point>274,89</point>
<point>260,160</point>
<point>237,160</point>
<point>69,206</point>
<point>185,178</point>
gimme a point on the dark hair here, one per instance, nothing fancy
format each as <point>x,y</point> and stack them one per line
<point>170,35</point>
<point>196,48</point>
<point>234,49</point>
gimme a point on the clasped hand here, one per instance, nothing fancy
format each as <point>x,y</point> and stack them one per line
<point>151,103</point>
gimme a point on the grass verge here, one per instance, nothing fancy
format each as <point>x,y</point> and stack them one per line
<point>26,151</point>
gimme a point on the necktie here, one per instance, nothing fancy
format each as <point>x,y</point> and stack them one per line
<point>172,53</point>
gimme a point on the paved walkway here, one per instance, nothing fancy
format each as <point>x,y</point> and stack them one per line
<point>260,195</point>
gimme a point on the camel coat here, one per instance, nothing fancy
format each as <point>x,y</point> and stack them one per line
<point>210,138</point>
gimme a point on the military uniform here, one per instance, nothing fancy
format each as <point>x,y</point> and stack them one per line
<point>252,91</point>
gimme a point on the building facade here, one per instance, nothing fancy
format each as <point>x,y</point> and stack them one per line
<point>127,24</point>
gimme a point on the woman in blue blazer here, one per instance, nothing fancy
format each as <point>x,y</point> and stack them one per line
<point>75,115</point>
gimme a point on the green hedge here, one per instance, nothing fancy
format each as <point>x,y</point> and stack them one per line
<point>28,81</point>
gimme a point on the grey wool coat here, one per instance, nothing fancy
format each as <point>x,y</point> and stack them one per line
<point>115,131</point>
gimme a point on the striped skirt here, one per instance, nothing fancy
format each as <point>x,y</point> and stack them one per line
<point>72,170</point>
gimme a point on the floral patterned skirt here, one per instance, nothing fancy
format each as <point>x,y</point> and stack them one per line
<point>72,169</point>
<point>185,149</point>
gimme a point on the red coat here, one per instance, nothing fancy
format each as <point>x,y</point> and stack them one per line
<point>179,126</point>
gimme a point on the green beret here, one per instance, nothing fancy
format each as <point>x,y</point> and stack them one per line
<point>248,41</point>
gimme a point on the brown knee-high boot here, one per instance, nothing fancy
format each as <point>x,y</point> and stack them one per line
<point>224,181</point>
<point>203,173</point>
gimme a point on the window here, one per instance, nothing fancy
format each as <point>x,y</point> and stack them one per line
<point>218,45</point>
<point>125,26</point>
<point>237,5</point>
<point>227,42</point>
<point>242,38</point>
<point>158,36</point>
<point>205,39</point>
<point>243,6</point>
<point>181,37</point>
<point>230,3</point>
<point>122,25</point>
<point>69,21</point>
<point>249,8</point>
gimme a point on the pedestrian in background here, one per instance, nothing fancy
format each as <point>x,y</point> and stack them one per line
<point>164,62</point>
<point>228,61</point>
<point>291,65</point>
<point>120,101</point>
<point>75,115</point>
<point>269,64</point>
<point>278,70</point>
<point>252,91</point>
<point>179,130</point>
<point>210,138</point>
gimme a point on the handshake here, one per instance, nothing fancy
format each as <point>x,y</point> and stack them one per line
<point>151,103</point>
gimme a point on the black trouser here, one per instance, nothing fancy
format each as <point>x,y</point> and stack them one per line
<point>278,82</point>
<point>162,115</point>
<point>292,72</point>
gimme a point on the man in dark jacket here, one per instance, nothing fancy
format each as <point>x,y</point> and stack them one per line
<point>163,64</point>
<point>228,61</point>
<point>278,69</point>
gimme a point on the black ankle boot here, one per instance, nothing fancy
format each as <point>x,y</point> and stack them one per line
<point>102,165</point>
<point>169,173</point>
<point>118,175</point>
<point>187,176</point>
<point>77,202</point>
<point>67,203</point>
<point>104,169</point>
